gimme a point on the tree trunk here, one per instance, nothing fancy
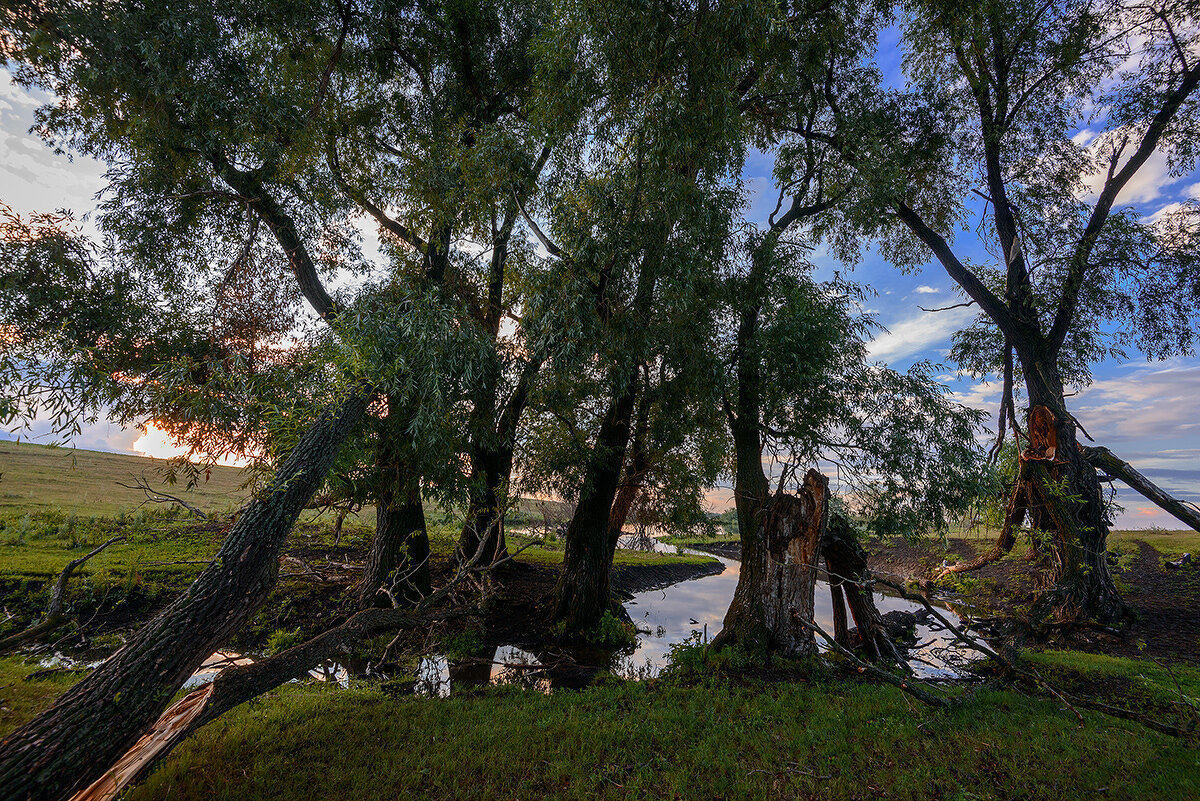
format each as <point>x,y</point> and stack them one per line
<point>846,564</point>
<point>486,510</point>
<point>583,592</point>
<point>491,468</point>
<point>1071,505</point>
<point>779,573</point>
<point>400,548</point>
<point>632,478</point>
<point>91,725</point>
<point>1106,460</point>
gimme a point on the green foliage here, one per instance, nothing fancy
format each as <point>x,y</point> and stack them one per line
<point>612,631</point>
<point>460,645</point>
<point>281,639</point>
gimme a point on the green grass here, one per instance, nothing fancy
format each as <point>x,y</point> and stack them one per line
<point>41,477</point>
<point>551,555</point>
<point>1168,543</point>
<point>1135,683</point>
<point>20,698</point>
<point>665,741</point>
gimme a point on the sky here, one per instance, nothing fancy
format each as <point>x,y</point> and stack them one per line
<point>1144,411</point>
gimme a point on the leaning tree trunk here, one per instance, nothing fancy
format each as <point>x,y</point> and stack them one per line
<point>583,593</point>
<point>846,564</point>
<point>91,725</point>
<point>1071,504</point>
<point>779,573</point>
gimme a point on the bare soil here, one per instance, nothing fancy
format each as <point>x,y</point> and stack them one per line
<point>1165,602</point>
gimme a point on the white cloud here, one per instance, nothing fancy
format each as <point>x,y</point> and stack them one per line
<point>926,290</point>
<point>1147,183</point>
<point>1152,402</point>
<point>917,334</point>
<point>1170,208</point>
<point>1084,137</point>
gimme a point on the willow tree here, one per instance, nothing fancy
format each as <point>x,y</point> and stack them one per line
<point>249,151</point>
<point>1050,114</point>
<point>1039,119</point>
<point>432,139</point>
<point>634,229</point>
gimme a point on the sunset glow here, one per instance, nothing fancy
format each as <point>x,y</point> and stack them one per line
<point>161,445</point>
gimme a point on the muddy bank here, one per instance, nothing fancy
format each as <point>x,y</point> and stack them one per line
<point>643,578</point>
<point>1165,602</point>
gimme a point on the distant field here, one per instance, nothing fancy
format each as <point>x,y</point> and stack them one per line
<point>40,477</point>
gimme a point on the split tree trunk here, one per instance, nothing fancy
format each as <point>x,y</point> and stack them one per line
<point>779,573</point>
<point>846,564</point>
<point>95,722</point>
<point>482,526</point>
<point>1072,504</point>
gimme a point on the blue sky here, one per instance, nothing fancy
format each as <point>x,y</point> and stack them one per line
<point>1144,411</point>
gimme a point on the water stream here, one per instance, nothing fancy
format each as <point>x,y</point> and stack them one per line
<point>688,610</point>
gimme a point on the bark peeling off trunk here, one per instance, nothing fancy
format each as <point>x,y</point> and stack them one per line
<point>779,573</point>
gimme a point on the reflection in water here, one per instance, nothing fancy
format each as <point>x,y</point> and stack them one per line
<point>437,676</point>
<point>696,608</point>
<point>665,617</point>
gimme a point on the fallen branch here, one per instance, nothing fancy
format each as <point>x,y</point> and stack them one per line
<point>93,724</point>
<point>1104,459</point>
<point>914,688</point>
<point>1029,674</point>
<point>158,496</point>
<point>240,683</point>
<point>54,616</point>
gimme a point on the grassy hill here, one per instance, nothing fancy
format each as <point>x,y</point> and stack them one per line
<point>40,477</point>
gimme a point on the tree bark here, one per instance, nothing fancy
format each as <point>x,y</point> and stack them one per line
<point>401,542</point>
<point>846,564</point>
<point>778,577</point>
<point>237,684</point>
<point>583,593</point>
<point>1071,504</point>
<point>1106,460</point>
<point>91,725</point>
<point>400,546</point>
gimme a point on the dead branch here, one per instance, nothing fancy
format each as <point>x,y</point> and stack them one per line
<point>158,496</point>
<point>948,308</point>
<point>914,688</point>
<point>1103,459</point>
<point>239,683</point>
<point>54,615</point>
<point>1029,674</point>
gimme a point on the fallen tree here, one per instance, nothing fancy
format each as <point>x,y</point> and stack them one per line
<point>93,724</point>
<point>1104,459</point>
